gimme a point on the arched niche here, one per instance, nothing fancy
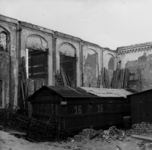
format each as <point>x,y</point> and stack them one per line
<point>67,49</point>
<point>111,63</point>
<point>36,42</point>
<point>4,39</point>
<point>90,68</point>
<point>67,55</point>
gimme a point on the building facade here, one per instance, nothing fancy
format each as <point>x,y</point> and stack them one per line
<point>138,60</point>
<point>34,53</point>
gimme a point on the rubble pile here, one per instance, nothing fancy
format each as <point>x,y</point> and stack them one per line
<point>113,133</point>
<point>85,134</point>
<point>141,128</point>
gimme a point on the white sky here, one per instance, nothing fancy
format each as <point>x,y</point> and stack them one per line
<point>108,23</point>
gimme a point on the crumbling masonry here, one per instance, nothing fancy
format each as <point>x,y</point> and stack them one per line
<point>35,54</point>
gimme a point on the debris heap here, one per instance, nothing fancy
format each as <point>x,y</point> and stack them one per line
<point>112,133</point>
<point>141,128</point>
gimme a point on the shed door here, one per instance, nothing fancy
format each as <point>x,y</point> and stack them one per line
<point>37,64</point>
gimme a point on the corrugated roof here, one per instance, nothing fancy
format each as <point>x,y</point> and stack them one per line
<point>103,92</point>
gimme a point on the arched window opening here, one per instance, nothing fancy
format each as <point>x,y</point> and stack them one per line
<point>67,54</point>
<point>3,41</point>
<point>90,68</point>
<point>111,64</point>
<point>36,57</point>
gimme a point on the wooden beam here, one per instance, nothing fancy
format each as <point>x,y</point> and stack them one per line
<point>141,137</point>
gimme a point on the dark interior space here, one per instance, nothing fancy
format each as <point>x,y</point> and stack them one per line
<point>68,64</point>
<point>37,64</point>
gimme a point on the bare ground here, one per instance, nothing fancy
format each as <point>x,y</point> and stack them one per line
<point>10,142</point>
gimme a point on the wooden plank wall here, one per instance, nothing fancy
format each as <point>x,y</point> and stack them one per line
<point>119,80</point>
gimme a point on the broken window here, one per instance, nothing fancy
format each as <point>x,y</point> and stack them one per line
<point>68,63</point>
<point>36,57</point>
<point>37,64</point>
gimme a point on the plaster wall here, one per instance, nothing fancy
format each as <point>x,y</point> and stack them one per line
<point>139,63</point>
<point>9,61</point>
<point>26,31</point>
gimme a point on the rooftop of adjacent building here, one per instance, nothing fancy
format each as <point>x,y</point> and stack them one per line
<point>140,45</point>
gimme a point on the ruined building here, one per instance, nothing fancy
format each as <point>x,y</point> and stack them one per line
<point>138,60</point>
<point>35,54</point>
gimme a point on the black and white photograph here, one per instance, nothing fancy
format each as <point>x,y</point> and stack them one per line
<point>75,75</point>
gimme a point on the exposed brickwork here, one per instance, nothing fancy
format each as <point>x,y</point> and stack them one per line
<point>90,69</point>
<point>144,64</point>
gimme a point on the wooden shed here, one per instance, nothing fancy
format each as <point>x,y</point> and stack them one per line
<point>75,108</point>
<point>141,106</point>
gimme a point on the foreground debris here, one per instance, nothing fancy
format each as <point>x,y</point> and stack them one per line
<point>39,131</point>
<point>113,134</point>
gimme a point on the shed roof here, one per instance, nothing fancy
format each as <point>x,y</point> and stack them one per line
<point>104,92</point>
<point>141,92</point>
<point>65,91</point>
<point>83,92</point>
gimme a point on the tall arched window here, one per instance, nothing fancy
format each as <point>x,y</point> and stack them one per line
<point>90,68</point>
<point>68,63</point>
<point>3,41</point>
<point>111,64</point>
<point>36,57</point>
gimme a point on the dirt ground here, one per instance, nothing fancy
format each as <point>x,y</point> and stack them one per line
<point>10,142</point>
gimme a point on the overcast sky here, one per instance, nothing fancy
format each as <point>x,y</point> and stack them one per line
<point>108,23</point>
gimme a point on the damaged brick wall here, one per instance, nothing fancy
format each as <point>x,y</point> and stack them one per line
<point>24,36</point>
<point>144,65</point>
<point>4,77</point>
<point>90,69</point>
<point>9,59</point>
